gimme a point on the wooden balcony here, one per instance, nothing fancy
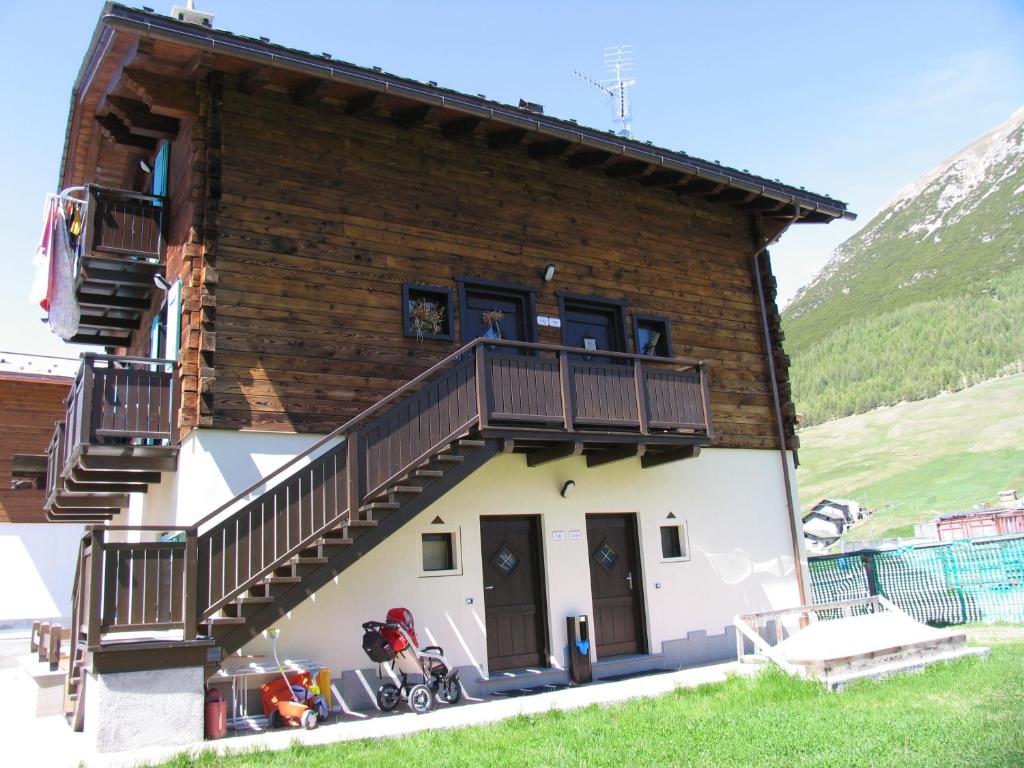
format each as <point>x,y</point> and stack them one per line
<point>118,435</point>
<point>551,401</point>
<point>124,252</point>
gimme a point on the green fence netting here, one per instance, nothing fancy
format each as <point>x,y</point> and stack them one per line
<point>953,583</point>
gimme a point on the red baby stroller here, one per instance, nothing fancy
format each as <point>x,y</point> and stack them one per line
<point>395,641</point>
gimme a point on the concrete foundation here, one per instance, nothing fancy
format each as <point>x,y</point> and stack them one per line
<point>129,710</point>
<point>699,648</point>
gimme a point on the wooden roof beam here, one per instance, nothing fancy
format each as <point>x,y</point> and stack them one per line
<point>626,168</point>
<point>542,149</point>
<point>506,139</point>
<point>699,187</point>
<point>360,104</point>
<point>465,126</point>
<point>732,196</point>
<point>586,158</point>
<point>254,80</point>
<point>310,92</point>
<point>410,117</point>
<point>661,178</point>
<point>765,205</point>
<point>168,96</point>
<point>137,116</point>
<point>120,134</point>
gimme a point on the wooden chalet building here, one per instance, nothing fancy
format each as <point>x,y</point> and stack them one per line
<point>364,332</point>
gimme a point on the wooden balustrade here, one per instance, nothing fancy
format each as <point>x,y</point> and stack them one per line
<point>126,223</point>
<point>544,388</point>
<point>121,400</point>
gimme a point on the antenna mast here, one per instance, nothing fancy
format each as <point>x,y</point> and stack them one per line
<point>618,60</point>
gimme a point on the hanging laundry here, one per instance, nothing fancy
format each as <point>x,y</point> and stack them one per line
<point>40,293</point>
<point>64,311</point>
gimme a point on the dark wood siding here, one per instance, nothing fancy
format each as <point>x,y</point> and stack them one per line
<point>322,217</point>
<point>28,409</point>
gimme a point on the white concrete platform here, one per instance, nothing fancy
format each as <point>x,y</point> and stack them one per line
<point>65,748</point>
<point>857,635</point>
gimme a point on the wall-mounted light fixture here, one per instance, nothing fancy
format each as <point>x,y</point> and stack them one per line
<point>145,166</point>
<point>161,282</point>
<point>567,488</point>
<point>549,273</point>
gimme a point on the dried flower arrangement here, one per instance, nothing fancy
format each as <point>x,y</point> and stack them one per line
<point>493,317</point>
<point>426,317</point>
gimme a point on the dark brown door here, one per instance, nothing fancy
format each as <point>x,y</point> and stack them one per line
<point>616,585</point>
<point>592,325</point>
<point>496,312</point>
<point>513,592</point>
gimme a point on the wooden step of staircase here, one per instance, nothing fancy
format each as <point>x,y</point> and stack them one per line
<point>432,474</point>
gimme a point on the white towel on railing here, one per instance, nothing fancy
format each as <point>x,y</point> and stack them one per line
<point>40,293</point>
<point>65,314</point>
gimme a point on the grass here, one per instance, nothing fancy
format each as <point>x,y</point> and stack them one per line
<point>915,460</point>
<point>966,713</point>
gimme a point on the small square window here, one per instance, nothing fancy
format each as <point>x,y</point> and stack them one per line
<point>438,552</point>
<point>652,336</point>
<point>673,542</point>
<point>427,312</point>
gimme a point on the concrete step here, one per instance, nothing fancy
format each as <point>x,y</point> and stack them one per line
<point>634,664</point>
<point>520,679</point>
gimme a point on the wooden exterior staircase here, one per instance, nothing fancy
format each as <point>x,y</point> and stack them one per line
<point>221,581</point>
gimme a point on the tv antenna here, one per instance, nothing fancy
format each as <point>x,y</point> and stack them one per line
<point>618,61</point>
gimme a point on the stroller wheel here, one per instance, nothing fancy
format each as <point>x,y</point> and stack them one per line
<point>452,690</point>
<point>421,699</point>
<point>309,720</point>
<point>388,696</point>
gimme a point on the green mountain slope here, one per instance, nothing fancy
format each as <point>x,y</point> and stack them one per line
<point>927,297</point>
<point>915,460</point>
<point>913,352</point>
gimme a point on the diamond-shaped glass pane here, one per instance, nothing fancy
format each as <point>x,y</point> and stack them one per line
<point>606,556</point>
<point>505,560</point>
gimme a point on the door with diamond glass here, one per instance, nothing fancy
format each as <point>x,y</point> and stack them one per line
<point>513,592</point>
<point>616,585</point>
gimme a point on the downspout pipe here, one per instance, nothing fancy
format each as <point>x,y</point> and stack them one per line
<point>779,424</point>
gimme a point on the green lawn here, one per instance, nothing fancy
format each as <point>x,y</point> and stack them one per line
<point>967,713</point>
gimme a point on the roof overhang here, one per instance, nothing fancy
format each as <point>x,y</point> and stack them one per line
<point>121,28</point>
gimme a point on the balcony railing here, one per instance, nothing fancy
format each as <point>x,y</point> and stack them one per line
<point>121,401</point>
<point>121,409</point>
<point>125,223</point>
<point>558,387</point>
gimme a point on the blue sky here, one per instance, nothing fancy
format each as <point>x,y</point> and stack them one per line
<point>850,99</point>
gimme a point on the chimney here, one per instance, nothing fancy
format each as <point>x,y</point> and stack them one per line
<point>190,15</point>
<point>529,106</point>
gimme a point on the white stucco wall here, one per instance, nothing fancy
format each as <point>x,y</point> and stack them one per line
<point>733,502</point>
<point>213,466</point>
<point>37,566</point>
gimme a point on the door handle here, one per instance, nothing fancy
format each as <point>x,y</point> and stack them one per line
<point>629,578</point>
<point>491,587</point>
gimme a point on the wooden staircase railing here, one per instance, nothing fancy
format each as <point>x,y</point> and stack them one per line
<point>340,481</point>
